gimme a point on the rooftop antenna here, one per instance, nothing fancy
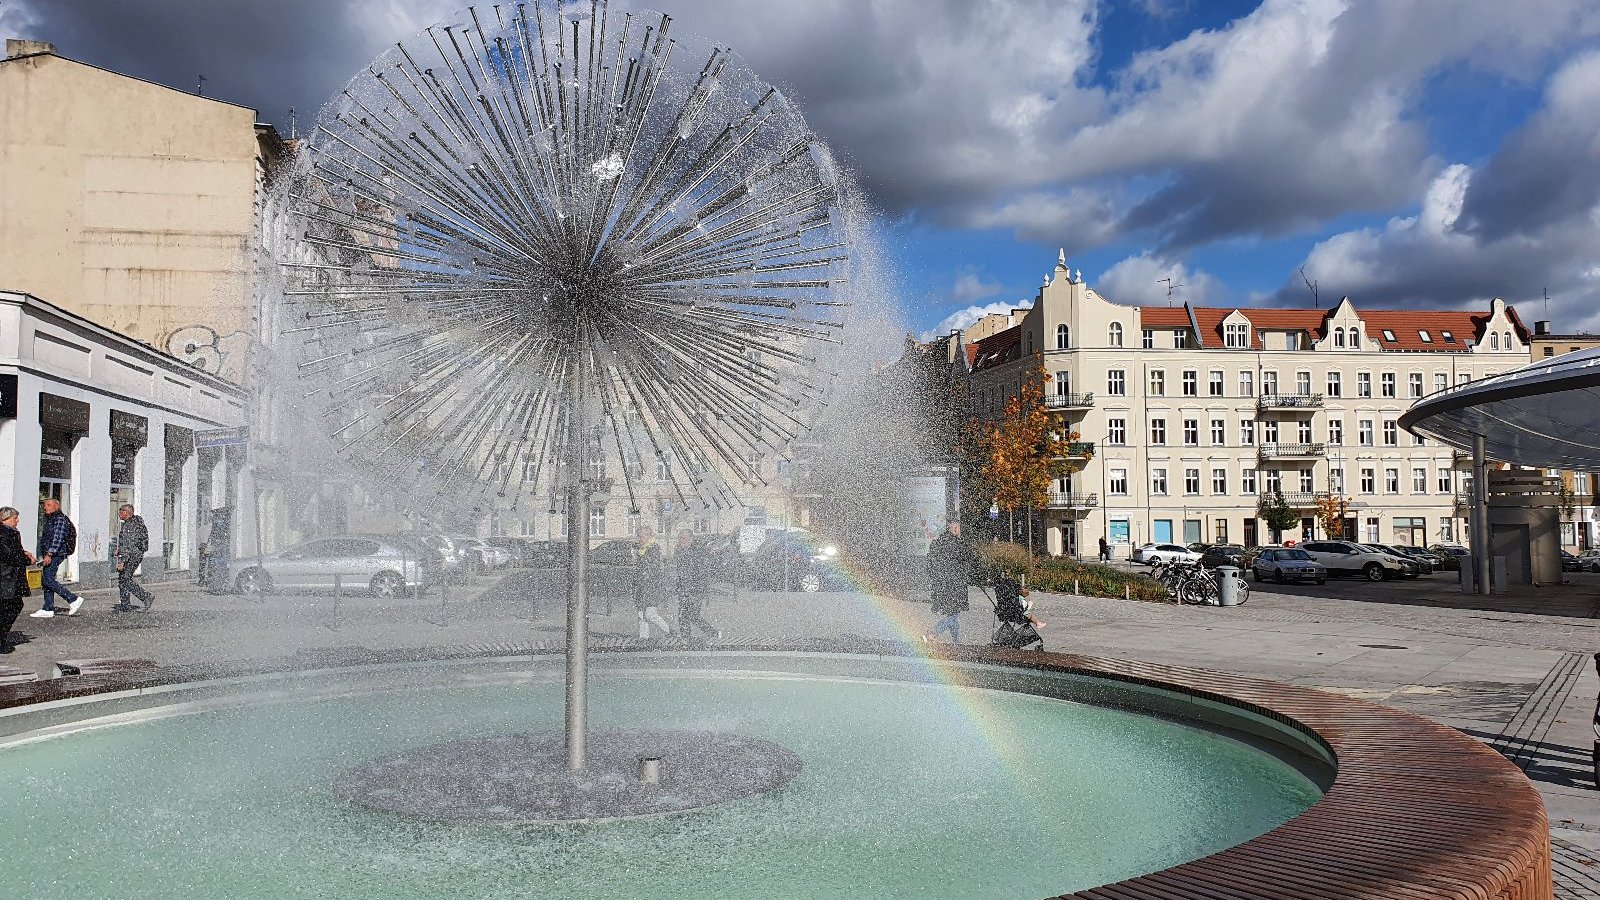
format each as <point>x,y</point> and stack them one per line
<point>1547,303</point>
<point>200,87</point>
<point>1313,286</point>
<point>1170,286</point>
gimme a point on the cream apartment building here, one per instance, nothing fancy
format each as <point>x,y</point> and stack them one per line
<point>1580,530</point>
<point>1188,415</point>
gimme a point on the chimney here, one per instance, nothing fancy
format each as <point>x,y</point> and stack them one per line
<point>16,47</point>
<point>1541,327</point>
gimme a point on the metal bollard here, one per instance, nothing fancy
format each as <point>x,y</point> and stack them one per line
<point>650,769</point>
<point>1227,586</point>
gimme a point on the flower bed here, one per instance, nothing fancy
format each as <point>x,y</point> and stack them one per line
<point>1058,575</point>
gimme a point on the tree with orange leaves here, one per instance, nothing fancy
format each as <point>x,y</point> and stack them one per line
<point>1022,451</point>
<point>1331,512</point>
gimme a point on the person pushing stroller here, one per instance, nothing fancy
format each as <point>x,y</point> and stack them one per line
<point>1018,628</point>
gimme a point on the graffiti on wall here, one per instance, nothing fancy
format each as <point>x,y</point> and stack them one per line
<point>202,347</point>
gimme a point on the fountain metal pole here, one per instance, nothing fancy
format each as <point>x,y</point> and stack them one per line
<point>1480,515</point>
<point>578,574</point>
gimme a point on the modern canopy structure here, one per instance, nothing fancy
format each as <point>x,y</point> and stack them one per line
<point>1545,415</point>
<point>547,234</point>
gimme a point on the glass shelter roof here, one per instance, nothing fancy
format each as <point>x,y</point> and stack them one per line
<point>1545,415</point>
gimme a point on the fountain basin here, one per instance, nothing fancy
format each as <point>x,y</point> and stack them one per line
<point>994,775</point>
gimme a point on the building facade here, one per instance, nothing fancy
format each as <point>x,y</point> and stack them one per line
<point>129,203</point>
<point>1580,523</point>
<point>1189,416</point>
<point>95,419</point>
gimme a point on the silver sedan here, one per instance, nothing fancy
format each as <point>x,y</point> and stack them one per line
<point>383,566</point>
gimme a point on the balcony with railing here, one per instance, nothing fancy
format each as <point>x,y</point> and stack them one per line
<point>1461,460</point>
<point>1073,501</point>
<point>1296,499</point>
<point>1068,401</point>
<point>1290,402</point>
<point>1275,450</point>
<point>1080,449</point>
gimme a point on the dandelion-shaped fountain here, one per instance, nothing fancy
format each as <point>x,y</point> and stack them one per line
<point>542,234</point>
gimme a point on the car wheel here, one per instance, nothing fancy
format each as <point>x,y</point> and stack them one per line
<point>1322,580</point>
<point>810,583</point>
<point>1374,572</point>
<point>1277,575</point>
<point>387,585</point>
<point>254,581</point>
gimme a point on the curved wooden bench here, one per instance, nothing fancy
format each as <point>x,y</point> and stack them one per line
<point>1416,811</point>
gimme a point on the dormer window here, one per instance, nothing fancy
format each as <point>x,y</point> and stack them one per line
<point>1388,335</point>
<point>1338,337</point>
<point>1116,334</point>
<point>1063,337</point>
<point>1448,337</point>
<point>1291,341</point>
<point>1509,345</point>
<point>1494,340</point>
<point>1426,337</point>
<point>1236,336</point>
<point>1180,339</point>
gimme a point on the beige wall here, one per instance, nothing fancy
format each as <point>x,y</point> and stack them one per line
<point>128,203</point>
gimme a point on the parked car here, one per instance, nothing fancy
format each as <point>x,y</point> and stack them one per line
<point>1150,554</point>
<point>519,550</point>
<point>1425,560</point>
<point>453,556</point>
<point>1569,562</point>
<point>479,556</point>
<point>382,565</point>
<point>1589,560</point>
<point>1451,555</point>
<point>1222,555</point>
<point>796,560</point>
<point>1409,568</point>
<point>1287,564</point>
<point>1347,558</point>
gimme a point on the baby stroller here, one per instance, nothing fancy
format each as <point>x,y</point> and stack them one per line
<point>1016,630</point>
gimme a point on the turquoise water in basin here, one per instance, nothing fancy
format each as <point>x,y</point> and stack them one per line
<point>909,791</point>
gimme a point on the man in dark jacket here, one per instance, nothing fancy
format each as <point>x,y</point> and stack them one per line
<point>649,580</point>
<point>951,560</point>
<point>14,562</point>
<point>57,541</point>
<point>691,570</point>
<point>133,542</point>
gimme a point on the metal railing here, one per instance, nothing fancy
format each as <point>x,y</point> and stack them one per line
<point>1080,449</point>
<point>1289,401</point>
<point>1068,401</point>
<point>1277,450</point>
<point>1073,501</point>
<point>1297,499</point>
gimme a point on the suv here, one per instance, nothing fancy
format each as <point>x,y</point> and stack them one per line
<point>1222,555</point>
<point>1150,554</point>
<point>1347,558</point>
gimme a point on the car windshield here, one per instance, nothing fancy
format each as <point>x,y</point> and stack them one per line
<point>1293,554</point>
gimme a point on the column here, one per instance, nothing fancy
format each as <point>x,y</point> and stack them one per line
<point>1480,514</point>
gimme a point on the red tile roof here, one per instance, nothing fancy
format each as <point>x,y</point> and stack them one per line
<point>1405,324</point>
<point>1164,316</point>
<point>998,348</point>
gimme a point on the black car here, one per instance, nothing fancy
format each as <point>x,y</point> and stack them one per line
<point>1223,555</point>
<point>794,560</point>
<point>1569,562</point>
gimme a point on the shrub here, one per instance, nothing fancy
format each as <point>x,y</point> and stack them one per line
<point>1058,575</point>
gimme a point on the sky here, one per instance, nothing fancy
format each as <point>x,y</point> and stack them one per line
<point>1406,153</point>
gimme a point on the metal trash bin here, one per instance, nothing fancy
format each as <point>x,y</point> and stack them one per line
<point>1228,583</point>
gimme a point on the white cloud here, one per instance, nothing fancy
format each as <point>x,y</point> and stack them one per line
<point>19,19</point>
<point>963,318</point>
<point>1137,280</point>
<point>970,286</point>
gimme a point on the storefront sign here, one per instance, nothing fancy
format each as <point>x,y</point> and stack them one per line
<point>223,437</point>
<point>55,453</point>
<point>8,396</point>
<point>63,413</point>
<point>127,428</point>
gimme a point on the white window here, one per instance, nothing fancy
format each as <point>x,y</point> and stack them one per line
<point>1363,384</point>
<point>1191,383</point>
<point>1219,432</point>
<point>1158,432</point>
<point>597,520</point>
<point>1334,385</point>
<point>1247,481</point>
<point>1447,529</point>
<point>1063,337</point>
<point>1119,482</point>
<point>664,467</point>
<point>1116,334</point>
<point>1415,383</point>
<point>1291,341</point>
<point>1338,337</point>
<point>1336,432</point>
<point>1158,383</point>
<point>1158,482</point>
<point>1149,339</point>
<point>1117,431</point>
<point>1247,433</point>
<point>1419,480</point>
<point>1368,480</point>
<point>1446,480</point>
<point>1307,484</point>
<point>1063,383</point>
<point>1247,383</point>
<point>1391,433</point>
<point>1391,481</point>
<point>1303,431</point>
<point>1269,383</point>
<point>1180,339</point>
<point>1271,481</point>
<point>1237,336</point>
<point>1440,381</point>
<point>1116,383</point>
<point>1388,384</point>
<point>1364,429</point>
<point>1215,382</point>
<point>1355,339</point>
<point>1302,383</point>
<point>1372,531</point>
<point>1494,340</point>
<point>1191,432</point>
<point>1388,335</point>
<point>1219,481</point>
<point>1336,480</point>
<point>1269,431</point>
<point>1191,481</point>
<point>1448,337</point>
<point>1426,337</point>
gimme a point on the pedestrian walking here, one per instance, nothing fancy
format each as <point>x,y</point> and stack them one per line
<point>951,560</point>
<point>691,569</point>
<point>14,562</point>
<point>133,542</point>
<point>58,540</point>
<point>649,578</point>
<point>1105,551</point>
